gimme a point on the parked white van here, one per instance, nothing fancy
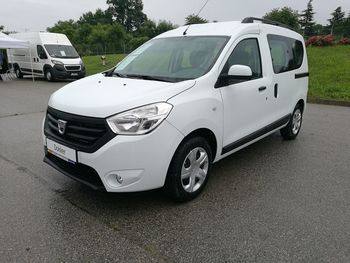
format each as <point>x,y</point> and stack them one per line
<point>182,101</point>
<point>50,54</point>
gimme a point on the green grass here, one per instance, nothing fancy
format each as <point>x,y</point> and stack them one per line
<point>329,71</point>
<point>94,63</point>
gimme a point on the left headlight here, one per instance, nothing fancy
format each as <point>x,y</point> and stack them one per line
<point>141,120</point>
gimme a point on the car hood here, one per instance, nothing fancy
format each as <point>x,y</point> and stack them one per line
<point>100,96</point>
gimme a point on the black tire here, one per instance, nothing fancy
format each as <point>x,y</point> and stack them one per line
<point>18,72</point>
<point>49,75</point>
<point>174,184</point>
<point>290,132</point>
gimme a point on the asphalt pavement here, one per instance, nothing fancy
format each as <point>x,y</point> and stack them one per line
<point>275,201</point>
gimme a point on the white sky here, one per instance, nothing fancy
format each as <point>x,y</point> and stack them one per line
<point>35,15</point>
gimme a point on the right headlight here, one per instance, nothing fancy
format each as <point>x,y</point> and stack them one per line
<point>141,120</point>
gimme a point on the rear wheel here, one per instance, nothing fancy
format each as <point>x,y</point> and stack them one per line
<point>18,73</point>
<point>49,75</point>
<point>291,131</point>
<point>189,169</point>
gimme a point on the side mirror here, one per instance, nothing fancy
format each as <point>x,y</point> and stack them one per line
<point>240,72</point>
<point>236,74</point>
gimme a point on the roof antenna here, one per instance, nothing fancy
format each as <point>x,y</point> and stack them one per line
<point>205,4</point>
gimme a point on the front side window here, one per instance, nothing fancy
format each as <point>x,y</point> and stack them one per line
<point>173,59</point>
<point>287,53</point>
<point>62,51</point>
<point>246,53</point>
<point>41,52</point>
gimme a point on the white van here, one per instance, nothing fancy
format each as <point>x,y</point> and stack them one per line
<point>182,101</point>
<point>50,54</point>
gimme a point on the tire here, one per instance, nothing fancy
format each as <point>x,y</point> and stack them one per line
<point>291,131</point>
<point>189,170</point>
<point>18,73</point>
<point>49,75</point>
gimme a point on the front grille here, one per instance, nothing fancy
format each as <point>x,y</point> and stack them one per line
<point>73,68</point>
<point>82,133</point>
<point>80,172</point>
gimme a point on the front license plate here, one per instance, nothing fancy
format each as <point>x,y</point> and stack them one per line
<point>74,74</point>
<point>61,151</point>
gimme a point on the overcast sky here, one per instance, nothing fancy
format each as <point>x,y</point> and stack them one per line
<point>35,15</point>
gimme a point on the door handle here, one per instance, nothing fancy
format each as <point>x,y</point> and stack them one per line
<point>262,89</point>
<point>276,90</point>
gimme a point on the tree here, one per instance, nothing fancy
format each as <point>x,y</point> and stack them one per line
<point>1,28</point>
<point>68,28</point>
<point>337,20</point>
<point>195,19</point>
<point>99,17</point>
<point>150,29</point>
<point>285,15</point>
<point>307,20</point>
<point>128,13</point>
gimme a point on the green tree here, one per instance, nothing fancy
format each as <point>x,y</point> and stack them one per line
<point>164,26</point>
<point>99,17</point>
<point>128,13</point>
<point>336,23</point>
<point>307,20</point>
<point>68,28</point>
<point>151,29</point>
<point>195,19</point>
<point>285,15</point>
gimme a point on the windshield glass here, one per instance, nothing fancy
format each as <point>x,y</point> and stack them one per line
<point>62,51</point>
<point>173,59</point>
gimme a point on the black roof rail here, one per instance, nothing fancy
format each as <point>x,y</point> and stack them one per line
<point>249,20</point>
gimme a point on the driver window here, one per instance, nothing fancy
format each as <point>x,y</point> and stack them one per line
<point>41,52</point>
<point>246,53</point>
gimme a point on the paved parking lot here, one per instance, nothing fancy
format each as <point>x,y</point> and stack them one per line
<point>275,201</point>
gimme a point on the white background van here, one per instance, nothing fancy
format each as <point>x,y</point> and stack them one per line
<point>184,100</point>
<point>50,54</point>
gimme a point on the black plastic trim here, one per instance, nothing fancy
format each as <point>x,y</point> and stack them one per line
<point>302,75</point>
<point>249,20</point>
<point>255,135</point>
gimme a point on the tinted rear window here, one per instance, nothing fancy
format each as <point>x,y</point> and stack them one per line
<point>287,53</point>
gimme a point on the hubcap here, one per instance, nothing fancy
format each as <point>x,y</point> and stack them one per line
<point>17,73</point>
<point>296,124</point>
<point>194,170</point>
<point>48,75</point>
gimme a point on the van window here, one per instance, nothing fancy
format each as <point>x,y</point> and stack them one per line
<point>246,53</point>
<point>62,51</point>
<point>41,52</point>
<point>287,53</point>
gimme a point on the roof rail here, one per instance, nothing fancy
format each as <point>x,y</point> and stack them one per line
<point>249,20</point>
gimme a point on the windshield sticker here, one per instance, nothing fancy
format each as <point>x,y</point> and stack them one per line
<point>63,54</point>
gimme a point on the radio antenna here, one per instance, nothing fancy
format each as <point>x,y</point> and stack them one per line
<point>205,4</point>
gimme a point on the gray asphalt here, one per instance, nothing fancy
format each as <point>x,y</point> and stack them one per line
<point>275,201</point>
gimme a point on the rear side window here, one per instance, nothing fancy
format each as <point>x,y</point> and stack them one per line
<point>287,53</point>
<point>246,53</point>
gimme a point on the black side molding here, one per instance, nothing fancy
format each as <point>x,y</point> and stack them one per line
<point>302,75</point>
<point>255,135</point>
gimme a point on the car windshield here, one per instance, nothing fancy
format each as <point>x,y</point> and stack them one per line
<point>172,59</point>
<point>62,51</point>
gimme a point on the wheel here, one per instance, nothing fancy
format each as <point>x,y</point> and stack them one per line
<point>291,131</point>
<point>189,170</point>
<point>18,73</point>
<point>49,75</point>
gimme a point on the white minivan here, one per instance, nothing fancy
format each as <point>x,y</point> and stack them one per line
<point>50,55</point>
<point>182,101</point>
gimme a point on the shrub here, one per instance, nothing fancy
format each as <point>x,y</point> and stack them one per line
<point>320,41</point>
<point>344,41</point>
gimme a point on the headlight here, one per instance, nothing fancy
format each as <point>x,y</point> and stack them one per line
<point>56,62</point>
<point>141,120</point>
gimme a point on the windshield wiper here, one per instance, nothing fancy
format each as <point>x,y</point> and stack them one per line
<point>147,77</point>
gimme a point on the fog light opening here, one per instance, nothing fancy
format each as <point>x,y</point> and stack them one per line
<point>119,179</point>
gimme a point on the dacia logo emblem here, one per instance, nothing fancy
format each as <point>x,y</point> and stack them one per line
<point>61,126</point>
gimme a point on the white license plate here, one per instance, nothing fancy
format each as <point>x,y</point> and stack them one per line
<point>61,151</point>
<point>74,74</point>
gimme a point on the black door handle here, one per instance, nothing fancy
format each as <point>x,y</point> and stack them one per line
<point>276,90</point>
<point>262,89</point>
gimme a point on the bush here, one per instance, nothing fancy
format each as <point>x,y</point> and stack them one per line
<point>344,41</point>
<point>320,41</point>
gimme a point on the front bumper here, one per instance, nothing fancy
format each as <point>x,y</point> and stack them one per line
<point>60,72</point>
<point>141,161</point>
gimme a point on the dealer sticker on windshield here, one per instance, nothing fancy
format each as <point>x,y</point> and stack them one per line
<point>61,151</point>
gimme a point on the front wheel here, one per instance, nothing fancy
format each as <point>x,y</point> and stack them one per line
<point>291,131</point>
<point>49,75</point>
<point>189,170</point>
<point>18,73</point>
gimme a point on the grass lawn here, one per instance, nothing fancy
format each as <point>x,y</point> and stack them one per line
<point>329,71</point>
